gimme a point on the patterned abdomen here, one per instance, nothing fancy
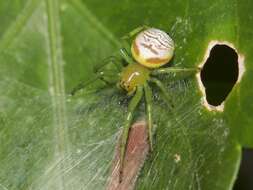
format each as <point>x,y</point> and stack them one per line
<point>152,48</point>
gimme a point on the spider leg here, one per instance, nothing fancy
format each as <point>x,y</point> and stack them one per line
<point>134,32</point>
<point>125,51</point>
<point>132,105</point>
<point>107,78</point>
<point>148,98</point>
<point>112,59</point>
<point>175,70</point>
<point>160,85</point>
<point>81,85</point>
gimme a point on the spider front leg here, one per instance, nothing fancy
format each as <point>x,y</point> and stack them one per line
<point>124,53</point>
<point>112,59</point>
<point>126,47</point>
<point>132,105</point>
<point>81,85</point>
<point>134,32</point>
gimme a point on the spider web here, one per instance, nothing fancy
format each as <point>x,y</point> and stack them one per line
<point>93,134</point>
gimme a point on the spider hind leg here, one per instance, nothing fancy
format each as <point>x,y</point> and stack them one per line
<point>167,98</point>
<point>148,98</point>
<point>124,136</point>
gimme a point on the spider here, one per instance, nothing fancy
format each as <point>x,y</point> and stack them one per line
<point>150,49</point>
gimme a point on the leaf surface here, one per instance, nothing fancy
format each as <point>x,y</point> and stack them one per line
<point>50,141</point>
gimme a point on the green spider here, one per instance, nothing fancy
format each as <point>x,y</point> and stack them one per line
<point>151,48</point>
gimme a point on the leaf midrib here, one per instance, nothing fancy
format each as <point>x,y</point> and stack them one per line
<point>56,80</point>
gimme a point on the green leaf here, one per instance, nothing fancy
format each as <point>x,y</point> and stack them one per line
<point>49,141</point>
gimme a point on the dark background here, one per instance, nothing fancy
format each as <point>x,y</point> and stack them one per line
<point>245,176</point>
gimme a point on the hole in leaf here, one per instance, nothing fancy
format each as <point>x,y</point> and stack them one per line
<point>244,178</point>
<point>219,73</point>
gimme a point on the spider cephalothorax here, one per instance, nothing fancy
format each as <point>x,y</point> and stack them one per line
<point>133,76</point>
<point>150,49</point>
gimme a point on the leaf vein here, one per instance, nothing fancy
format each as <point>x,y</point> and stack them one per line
<point>81,8</point>
<point>15,28</point>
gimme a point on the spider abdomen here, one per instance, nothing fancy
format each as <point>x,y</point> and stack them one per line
<point>132,76</point>
<point>152,48</point>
